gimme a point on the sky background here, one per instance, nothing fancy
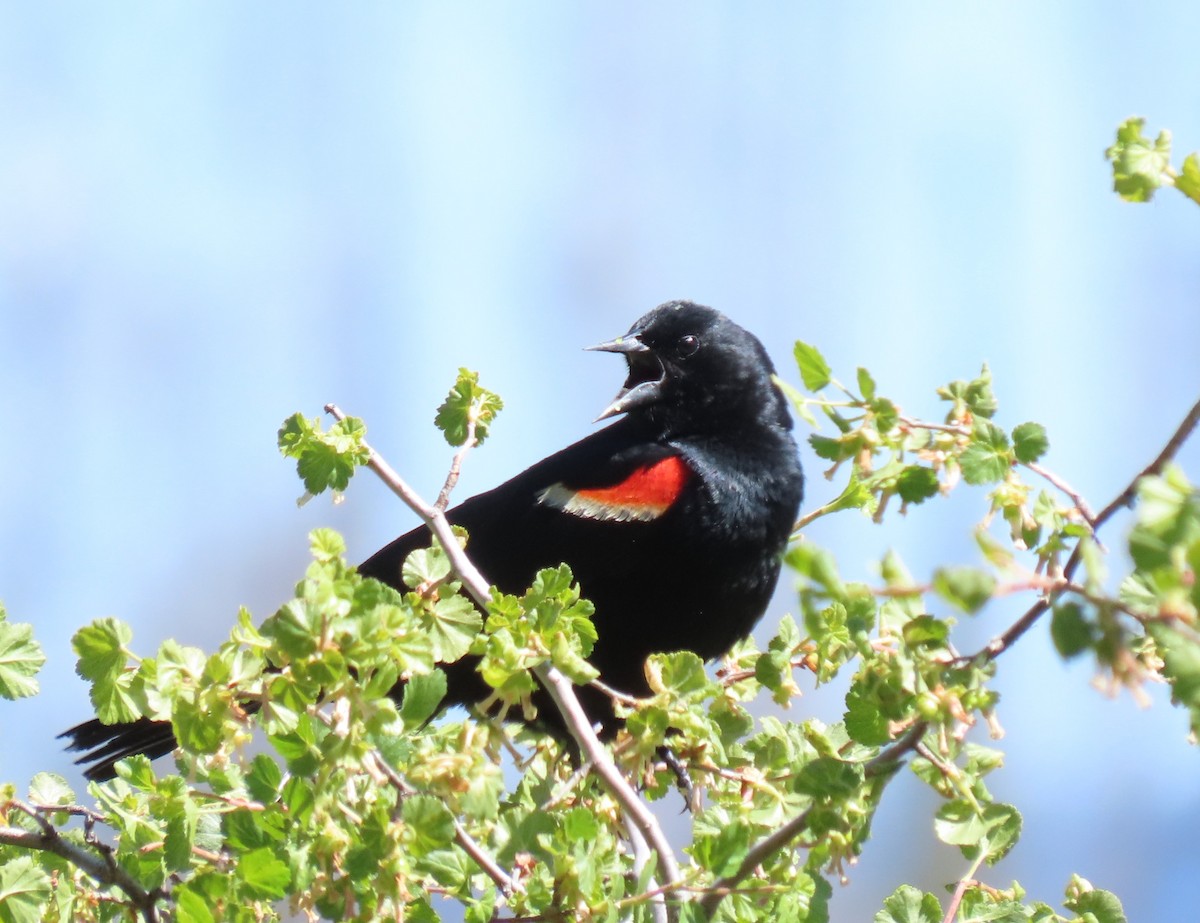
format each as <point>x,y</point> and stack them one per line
<point>214,215</point>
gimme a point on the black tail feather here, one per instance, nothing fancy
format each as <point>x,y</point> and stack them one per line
<point>106,744</point>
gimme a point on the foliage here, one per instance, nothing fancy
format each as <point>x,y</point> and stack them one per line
<point>357,807</point>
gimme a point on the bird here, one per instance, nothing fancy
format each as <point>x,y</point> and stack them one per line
<point>674,519</point>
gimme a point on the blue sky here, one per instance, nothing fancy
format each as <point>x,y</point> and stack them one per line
<point>214,215</point>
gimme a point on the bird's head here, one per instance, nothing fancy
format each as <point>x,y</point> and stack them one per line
<point>691,367</point>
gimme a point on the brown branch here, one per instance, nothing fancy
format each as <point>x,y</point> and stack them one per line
<point>1006,639</point>
<point>1169,451</point>
<point>503,880</point>
<point>643,823</point>
<point>1076,497</point>
<point>102,867</point>
<point>443,499</point>
<point>761,850</point>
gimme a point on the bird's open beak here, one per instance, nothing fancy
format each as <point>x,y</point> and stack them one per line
<point>646,375</point>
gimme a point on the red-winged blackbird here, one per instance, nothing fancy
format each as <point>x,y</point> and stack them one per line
<point>674,518</point>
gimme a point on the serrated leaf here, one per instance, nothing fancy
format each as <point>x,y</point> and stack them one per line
<point>925,630</point>
<point>191,907</point>
<point>1139,165</point>
<point>455,622</point>
<point>980,397</point>
<point>680,673</point>
<point>1070,630</point>
<point>1099,906</point>
<point>909,905</point>
<point>264,874</point>
<point>866,385</point>
<point>101,647</point>
<point>580,825</point>
<point>430,823</point>
<point>1188,180</point>
<point>468,402</point>
<point>994,829</point>
<point>326,544</point>
<point>324,460</point>
<point>722,853</point>
<point>864,721</point>
<point>1181,665</point>
<point>916,484</point>
<point>988,457</point>
<point>24,891</point>
<point>20,659</point>
<point>966,588</point>
<point>814,370</point>
<point>423,694</point>
<point>264,779</point>
<point>1030,442</point>
<point>50,788</point>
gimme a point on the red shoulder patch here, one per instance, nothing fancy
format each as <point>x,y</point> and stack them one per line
<point>645,494</point>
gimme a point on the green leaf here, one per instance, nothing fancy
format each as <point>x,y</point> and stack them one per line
<point>831,449</point>
<point>723,852</point>
<point>50,788</point>
<point>1181,665</point>
<point>1188,180</point>
<point>430,823</point>
<point>24,891</point>
<point>264,779</point>
<point>965,588</point>
<point>20,659</point>
<point>102,652</point>
<point>1093,904</point>
<point>980,397</point>
<point>1139,166</point>
<point>864,721</point>
<point>916,484</point>
<point>909,905</point>
<point>580,825</point>
<point>101,647</point>
<point>1030,442</point>
<point>191,907</point>
<point>994,829</point>
<point>467,403</point>
<point>264,873</point>
<point>1070,630</point>
<point>455,622</point>
<point>988,457</point>
<point>680,673</point>
<point>324,460</point>
<point>926,630</point>
<point>866,385</point>
<point>423,694</point>
<point>814,370</point>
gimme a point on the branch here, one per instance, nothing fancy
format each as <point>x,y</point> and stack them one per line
<point>761,850</point>
<point>503,880</point>
<point>103,868</point>
<point>1076,497</point>
<point>443,499</point>
<point>643,822</point>
<point>1004,641</point>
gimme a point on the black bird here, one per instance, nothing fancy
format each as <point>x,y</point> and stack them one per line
<point>674,519</point>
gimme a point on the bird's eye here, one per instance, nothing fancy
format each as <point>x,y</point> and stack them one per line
<point>687,346</point>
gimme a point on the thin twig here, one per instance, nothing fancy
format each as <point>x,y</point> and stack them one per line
<point>443,499</point>
<point>1076,497</point>
<point>503,880</point>
<point>1169,451</point>
<point>559,687</point>
<point>953,428</point>
<point>103,868</point>
<point>761,850</point>
<point>1006,639</point>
